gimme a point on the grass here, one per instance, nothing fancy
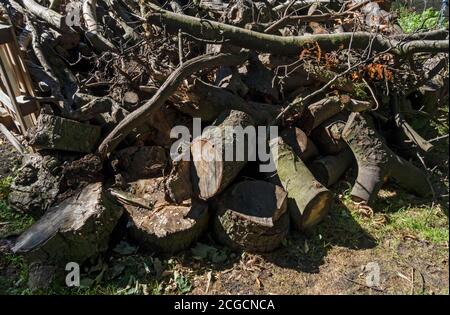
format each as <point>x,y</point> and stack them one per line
<point>411,21</point>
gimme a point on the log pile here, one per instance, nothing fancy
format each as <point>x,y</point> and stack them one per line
<point>114,77</point>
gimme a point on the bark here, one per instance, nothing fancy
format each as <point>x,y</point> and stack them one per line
<point>36,184</point>
<point>252,215</point>
<point>289,45</point>
<point>376,162</point>
<point>308,200</point>
<point>327,136</point>
<point>207,101</point>
<point>143,113</point>
<point>76,230</point>
<point>214,168</point>
<point>303,147</point>
<point>51,17</point>
<point>329,169</point>
<point>408,130</point>
<point>178,184</point>
<point>57,133</point>
<point>97,40</point>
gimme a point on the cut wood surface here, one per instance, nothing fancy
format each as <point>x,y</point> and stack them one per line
<point>214,165</point>
<point>74,230</point>
<point>252,215</point>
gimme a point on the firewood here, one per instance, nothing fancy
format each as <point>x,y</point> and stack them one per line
<point>328,169</point>
<point>376,161</point>
<point>252,215</point>
<point>57,133</point>
<point>327,135</point>
<point>303,147</point>
<point>308,200</point>
<point>212,171</point>
<point>76,229</point>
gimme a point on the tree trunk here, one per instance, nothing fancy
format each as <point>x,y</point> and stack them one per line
<point>252,215</point>
<point>327,136</point>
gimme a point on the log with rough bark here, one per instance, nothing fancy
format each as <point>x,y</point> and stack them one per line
<point>57,133</point>
<point>207,101</point>
<point>376,161</point>
<point>289,45</point>
<point>220,153</point>
<point>328,169</point>
<point>303,147</point>
<point>140,162</point>
<point>178,183</point>
<point>308,200</point>
<point>36,184</point>
<point>252,215</point>
<point>327,136</point>
<point>76,229</point>
<point>318,112</point>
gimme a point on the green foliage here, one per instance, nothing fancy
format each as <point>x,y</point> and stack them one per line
<point>5,186</point>
<point>412,22</point>
<point>183,284</point>
<point>13,222</point>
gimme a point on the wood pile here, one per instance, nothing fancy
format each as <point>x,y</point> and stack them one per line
<point>114,77</point>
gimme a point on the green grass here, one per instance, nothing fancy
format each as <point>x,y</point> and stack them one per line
<point>5,186</point>
<point>411,21</point>
<point>12,222</point>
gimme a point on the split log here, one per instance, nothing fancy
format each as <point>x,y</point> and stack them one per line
<point>328,169</point>
<point>76,230</point>
<point>252,215</point>
<point>214,167</point>
<point>303,147</point>
<point>36,184</point>
<point>290,45</point>
<point>327,136</point>
<point>308,200</point>
<point>57,133</point>
<point>51,17</point>
<point>178,184</point>
<point>376,161</point>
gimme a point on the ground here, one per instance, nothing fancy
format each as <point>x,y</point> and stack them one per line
<point>405,237</point>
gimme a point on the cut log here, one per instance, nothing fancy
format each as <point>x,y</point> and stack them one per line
<point>303,147</point>
<point>76,230</point>
<point>308,200</point>
<point>328,169</point>
<point>327,136</point>
<point>376,161</point>
<point>36,184</point>
<point>252,215</point>
<point>207,101</point>
<point>130,100</point>
<point>167,228</point>
<point>316,113</point>
<point>214,170</point>
<point>90,107</point>
<point>57,133</point>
